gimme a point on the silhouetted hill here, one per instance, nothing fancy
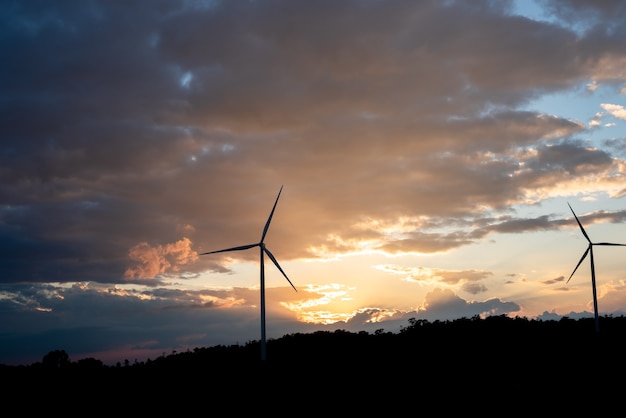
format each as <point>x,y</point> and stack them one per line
<point>464,362</point>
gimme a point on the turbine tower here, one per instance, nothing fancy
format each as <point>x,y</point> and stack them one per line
<point>589,251</point>
<point>263,250</point>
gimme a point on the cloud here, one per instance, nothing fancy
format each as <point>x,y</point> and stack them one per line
<point>426,275</point>
<point>154,261</point>
<point>137,127</point>
<point>592,86</point>
<point>614,110</point>
<point>444,304</point>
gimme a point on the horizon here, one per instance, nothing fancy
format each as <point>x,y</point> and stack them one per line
<point>412,323</point>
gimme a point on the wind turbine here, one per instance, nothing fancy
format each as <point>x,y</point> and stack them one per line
<point>589,251</point>
<point>263,250</point>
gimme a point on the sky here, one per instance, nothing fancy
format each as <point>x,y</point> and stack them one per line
<point>425,153</point>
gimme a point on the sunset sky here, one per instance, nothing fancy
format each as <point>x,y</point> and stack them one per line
<point>427,152</point>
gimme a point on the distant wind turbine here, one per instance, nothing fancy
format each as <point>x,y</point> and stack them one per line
<point>589,251</point>
<point>263,250</point>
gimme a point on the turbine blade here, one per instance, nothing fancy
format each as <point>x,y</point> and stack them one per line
<point>609,243</point>
<point>241,247</point>
<point>271,256</point>
<point>267,224</point>
<point>579,261</point>
<point>579,224</point>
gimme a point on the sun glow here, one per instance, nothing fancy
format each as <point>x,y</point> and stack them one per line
<point>331,294</point>
<point>323,317</point>
<point>387,231</point>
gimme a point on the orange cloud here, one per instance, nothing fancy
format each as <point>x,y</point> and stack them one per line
<point>152,261</point>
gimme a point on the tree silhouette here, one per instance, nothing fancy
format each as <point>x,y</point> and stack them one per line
<point>56,359</point>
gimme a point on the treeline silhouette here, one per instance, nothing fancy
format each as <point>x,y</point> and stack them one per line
<point>465,336</point>
<point>499,355</point>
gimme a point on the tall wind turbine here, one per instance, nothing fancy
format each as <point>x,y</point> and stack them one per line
<point>263,250</point>
<point>589,251</point>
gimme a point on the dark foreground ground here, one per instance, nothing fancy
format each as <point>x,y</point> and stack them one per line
<point>497,366</point>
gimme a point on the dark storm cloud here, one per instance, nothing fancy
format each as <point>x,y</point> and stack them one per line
<point>129,123</point>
